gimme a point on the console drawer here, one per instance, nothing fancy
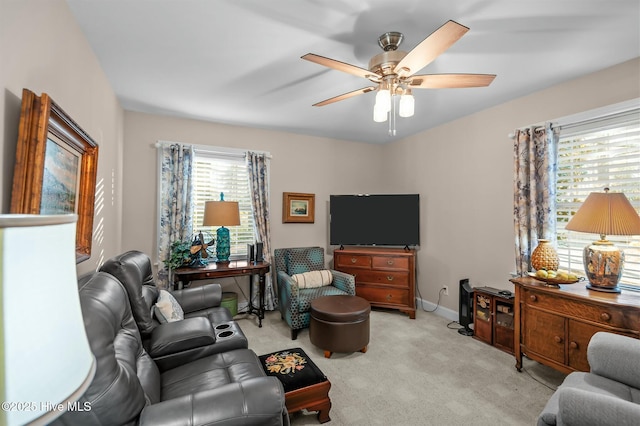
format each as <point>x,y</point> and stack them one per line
<point>383,295</point>
<point>351,261</point>
<point>580,310</point>
<point>396,279</point>
<point>390,263</point>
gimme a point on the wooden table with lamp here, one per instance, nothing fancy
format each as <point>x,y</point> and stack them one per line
<point>554,322</point>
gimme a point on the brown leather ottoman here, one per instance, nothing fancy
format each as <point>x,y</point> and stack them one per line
<point>340,324</point>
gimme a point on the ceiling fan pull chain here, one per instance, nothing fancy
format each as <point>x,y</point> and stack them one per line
<point>392,115</point>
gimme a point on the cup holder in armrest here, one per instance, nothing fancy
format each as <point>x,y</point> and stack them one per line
<point>225,334</point>
<point>222,326</point>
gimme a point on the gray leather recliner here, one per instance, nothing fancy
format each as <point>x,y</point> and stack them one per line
<point>607,395</point>
<point>228,388</point>
<point>208,327</point>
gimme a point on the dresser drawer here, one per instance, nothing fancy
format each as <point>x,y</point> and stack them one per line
<point>383,295</point>
<point>600,314</point>
<point>387,278</point>
<point>351,261</point>
<point>390,263</point>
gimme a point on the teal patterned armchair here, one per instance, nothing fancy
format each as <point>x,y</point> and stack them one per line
<point>294,302</point>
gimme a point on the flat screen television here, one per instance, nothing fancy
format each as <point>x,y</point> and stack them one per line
<point>386,220</point>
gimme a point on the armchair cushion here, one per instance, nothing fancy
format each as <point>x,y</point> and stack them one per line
<point>313,279</point>
<point>300,260</point>
<point>167,308</point>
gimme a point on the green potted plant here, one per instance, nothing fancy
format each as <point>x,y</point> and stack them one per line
<point>180,255</point>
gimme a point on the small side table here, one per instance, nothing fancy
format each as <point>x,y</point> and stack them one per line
<point>235,268</point>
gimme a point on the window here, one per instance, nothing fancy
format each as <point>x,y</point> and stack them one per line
<point>214,173</point>
<point>592,155</point>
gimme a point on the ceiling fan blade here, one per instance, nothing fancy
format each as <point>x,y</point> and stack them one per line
<point>345,96</point>
<point>444,81</point>
<point>430,48</point>
<point>342,66</point>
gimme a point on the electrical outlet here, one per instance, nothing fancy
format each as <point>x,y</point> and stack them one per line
<point>446,290</point>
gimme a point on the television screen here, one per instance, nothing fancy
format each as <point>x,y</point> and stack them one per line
<point>391,220</point>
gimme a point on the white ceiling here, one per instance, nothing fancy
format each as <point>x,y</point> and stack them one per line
<point>238,61</point>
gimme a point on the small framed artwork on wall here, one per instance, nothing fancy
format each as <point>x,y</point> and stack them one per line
<point>298,207</point>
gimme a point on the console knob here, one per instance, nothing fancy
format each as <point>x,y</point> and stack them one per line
<point>533,297</point>
<point>605,316</point>
<point>573,345</point>
<point>558,339</point>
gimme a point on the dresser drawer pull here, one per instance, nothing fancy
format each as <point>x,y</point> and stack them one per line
<point>558,339</point>
<point>389,277</point>
<point>389,297</point>
<point>573,345</point>
<point>390,262</point>
<point>533,297</point>
<point>354,260</point>
<point>605,316</point>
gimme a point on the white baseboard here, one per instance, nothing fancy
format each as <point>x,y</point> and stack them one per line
<point>441,311</point>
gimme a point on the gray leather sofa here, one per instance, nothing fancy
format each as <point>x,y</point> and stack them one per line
<point>228,388</point>
<point>208,327</point>
<point>608,395</point>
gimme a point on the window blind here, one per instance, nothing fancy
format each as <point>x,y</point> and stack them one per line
<point>592,155</point>
<point>214,173</point>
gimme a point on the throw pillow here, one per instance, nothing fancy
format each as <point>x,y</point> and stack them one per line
<point>167,308</point>
<point>313,279</point>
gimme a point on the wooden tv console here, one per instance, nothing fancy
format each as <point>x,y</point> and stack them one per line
<point>386,277</point>
<point>554,325</point>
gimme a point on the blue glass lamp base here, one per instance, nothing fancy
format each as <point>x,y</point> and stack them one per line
<point>223,245</point>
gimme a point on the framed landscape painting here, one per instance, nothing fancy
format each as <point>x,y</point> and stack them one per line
<point>298,207</point>
<point>56,167</point>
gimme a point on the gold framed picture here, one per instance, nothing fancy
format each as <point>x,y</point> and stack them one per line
<point>298,207</point>
<point>56,167</point>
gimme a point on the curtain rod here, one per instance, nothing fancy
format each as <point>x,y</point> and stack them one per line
<point>209,149</point>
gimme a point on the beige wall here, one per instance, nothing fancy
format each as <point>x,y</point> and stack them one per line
<point>463,171</point>
<point>299,164</point>
<point>43,49</point>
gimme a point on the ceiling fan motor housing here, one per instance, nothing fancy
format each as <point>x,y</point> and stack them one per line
<point>384,63</point>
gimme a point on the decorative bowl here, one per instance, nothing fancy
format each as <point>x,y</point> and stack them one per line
<point>554,281</point>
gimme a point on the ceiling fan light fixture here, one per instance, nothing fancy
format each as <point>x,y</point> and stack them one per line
<point>407,105</point>
<point>383,100</point>
<point>379,114</point>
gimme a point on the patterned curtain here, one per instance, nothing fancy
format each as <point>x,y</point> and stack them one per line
<point>535,161</point>
<point>259,181</point>
<point>176,204</point>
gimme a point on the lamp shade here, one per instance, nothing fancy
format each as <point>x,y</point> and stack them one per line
<point>606,213</point>
<point>221,213</point>
<point>46,360</point>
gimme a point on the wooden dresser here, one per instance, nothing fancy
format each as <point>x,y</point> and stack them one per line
<point>386,277</point>
<point>554,325</point>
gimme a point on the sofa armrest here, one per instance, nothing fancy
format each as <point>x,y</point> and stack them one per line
<point>289,289</point>
<point>197,298</point>
<point>581,407</point>
<point>256,401</point>
<point>615,357</point>
<point>179,336</point>
<point>343,281</point>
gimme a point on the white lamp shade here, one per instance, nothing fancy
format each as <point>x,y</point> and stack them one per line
<point>383,100</point>
<point>407,106</point>
<point>46,358</point>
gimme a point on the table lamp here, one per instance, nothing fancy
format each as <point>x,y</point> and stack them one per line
<point>222,213</point>
<point>605,213</point>
<point>46,362</point>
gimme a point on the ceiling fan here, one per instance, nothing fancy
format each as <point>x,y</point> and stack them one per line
<point>393,71</point>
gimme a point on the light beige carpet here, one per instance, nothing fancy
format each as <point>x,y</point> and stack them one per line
<point>416,372</point>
